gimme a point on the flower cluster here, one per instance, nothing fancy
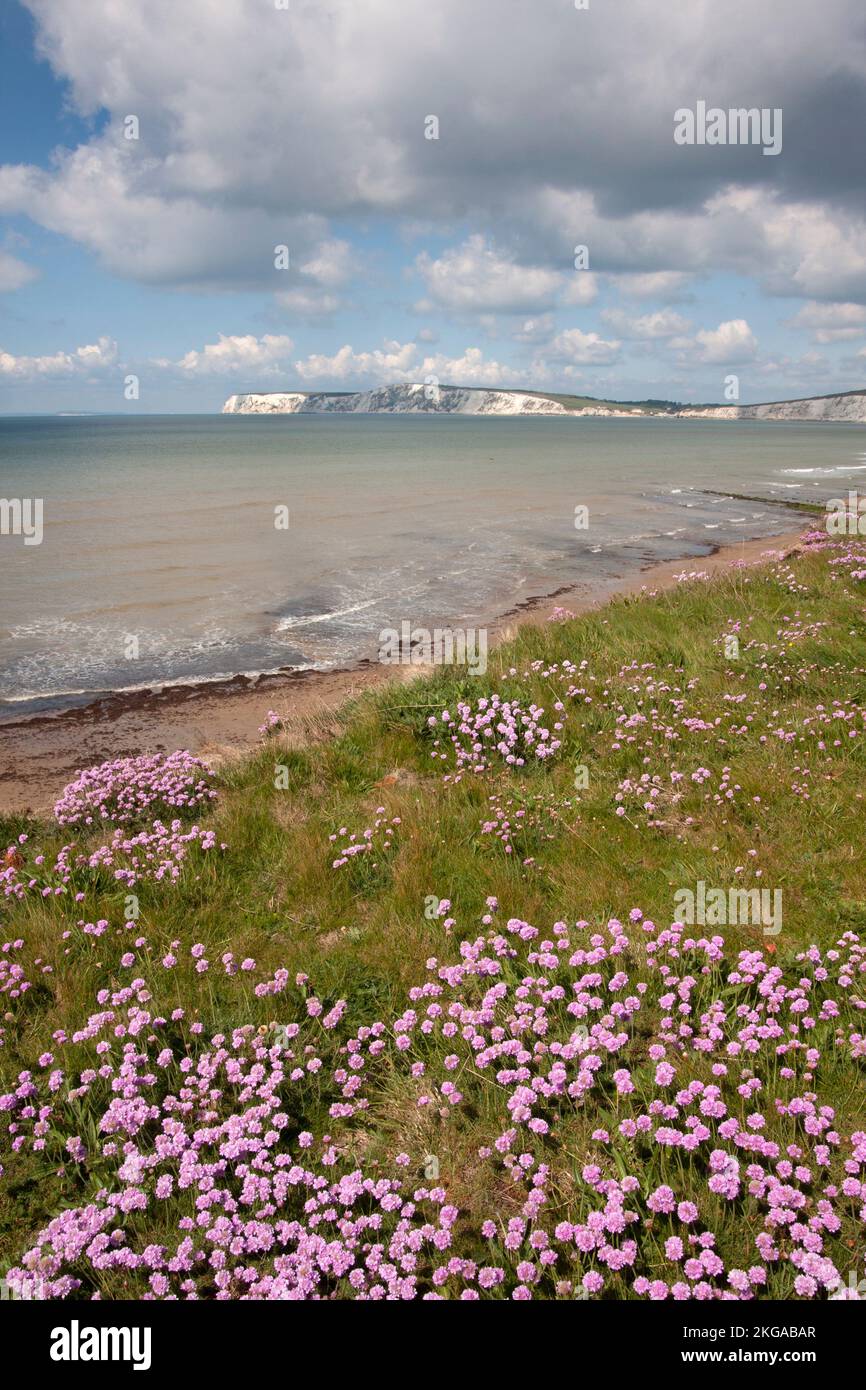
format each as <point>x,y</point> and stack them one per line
<point>155,853</point>
<point>521,824</point>
<point>124,790</point>
<point>272,725</point>
<point>635,1050</point>
<point>119,793</point>
<point>494,725</point>
<point>378,838</point>
<point>13,980</point>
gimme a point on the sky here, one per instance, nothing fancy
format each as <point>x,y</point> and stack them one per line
<point>277,195</point>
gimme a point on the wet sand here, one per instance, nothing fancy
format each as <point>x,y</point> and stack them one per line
<point>39,756</point>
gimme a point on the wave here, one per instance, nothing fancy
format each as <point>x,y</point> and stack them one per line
<point>285,624</point>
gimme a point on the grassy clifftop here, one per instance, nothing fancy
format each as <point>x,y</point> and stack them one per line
<point>406,1015</point>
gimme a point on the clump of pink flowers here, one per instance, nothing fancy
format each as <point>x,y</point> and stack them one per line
<point>494,726</point>
<point>155,853</point>
<point>127,789</point>
<point>648,1107</point>
<point>14,983</point>
<point>273,723</point>
<point>378,838</point>
<point>124,793</point>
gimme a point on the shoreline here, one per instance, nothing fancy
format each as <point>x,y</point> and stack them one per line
<point>219,720</point>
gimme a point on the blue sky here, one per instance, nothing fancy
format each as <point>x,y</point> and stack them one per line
<point>412,257</point>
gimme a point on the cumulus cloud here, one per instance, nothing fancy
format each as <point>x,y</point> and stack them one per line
<point>318,277</point>
<point>267,355</point>
<point>112,199</point>
<point>471,369</point>
<point>663,323</point>
<point>730,343</point>
<point>476,277</point>
<point>85,361</point>
<point>393,362</point>
<point>790,248</point>
<point>575,346</point>
<point>330,265</point>
<point>830,323</point>
<point>277,128</point>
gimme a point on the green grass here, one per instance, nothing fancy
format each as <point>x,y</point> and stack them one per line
<point>649,407</point>
<point>361,932</point>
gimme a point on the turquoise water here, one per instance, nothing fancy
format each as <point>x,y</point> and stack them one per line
<point>159,535</point>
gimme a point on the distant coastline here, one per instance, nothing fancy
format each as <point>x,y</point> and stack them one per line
<point>433,398</point>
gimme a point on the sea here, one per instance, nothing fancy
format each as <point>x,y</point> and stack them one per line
<point>182,549</point>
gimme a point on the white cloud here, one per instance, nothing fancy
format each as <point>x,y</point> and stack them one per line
<point>790,247</point>
<point>831,323</point>
<point>308,303</point>
<point>581,288</point>
<point>14,273</point>
<point>330,266</point>
<point>811,250</point>
<point>402,362</point>
<point>270,132</point>
<point>731,342</point>
<point>84,361</point>
<point>663,323</point>
<point>257,133</point>
<point>394,362</point>
<point>270,355</point>
<point>470,369</point>
<point>325,271</point>
<point>539,329</point>
<point>477,277</point>
<point>575,346</point>
<point>267,355</point>
<point>111,198</point>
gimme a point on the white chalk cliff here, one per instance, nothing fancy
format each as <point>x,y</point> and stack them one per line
<point>850,406</point>
<point>403,398</point>
<point>417,399</point>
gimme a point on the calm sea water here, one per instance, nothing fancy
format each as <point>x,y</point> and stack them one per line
<point>161,529</point>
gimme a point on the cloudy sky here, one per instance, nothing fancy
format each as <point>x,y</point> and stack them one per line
<point>306,127</point>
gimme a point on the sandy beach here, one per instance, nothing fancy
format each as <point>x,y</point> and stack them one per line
<point>40,755</point>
